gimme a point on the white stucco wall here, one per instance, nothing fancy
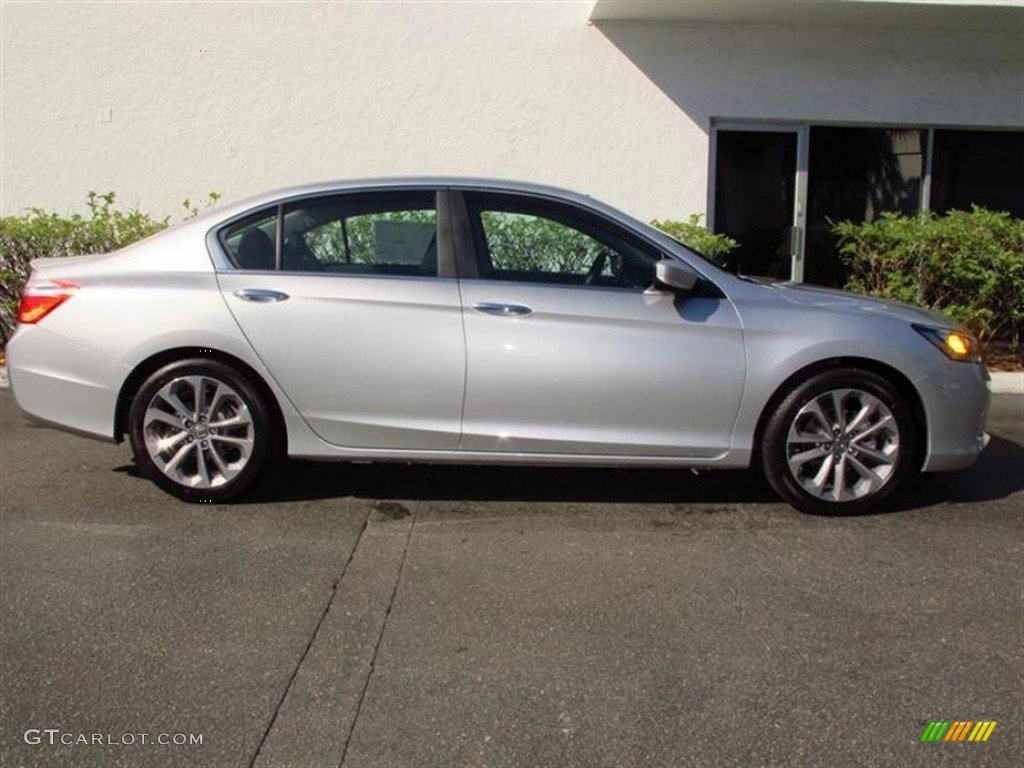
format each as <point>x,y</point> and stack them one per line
<point>245,97</point>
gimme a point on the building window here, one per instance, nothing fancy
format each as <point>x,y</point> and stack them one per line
<point>983,168</point>
<point>779,201</point>
<point>755,184</point>
<point>857,174</point>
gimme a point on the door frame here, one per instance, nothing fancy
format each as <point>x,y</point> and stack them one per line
<point>802,133</point>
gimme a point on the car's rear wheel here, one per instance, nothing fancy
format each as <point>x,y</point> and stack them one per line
<point>840,443</point>
<point>200,430</point>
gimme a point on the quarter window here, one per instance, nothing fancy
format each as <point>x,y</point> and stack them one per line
<point>249,242</point>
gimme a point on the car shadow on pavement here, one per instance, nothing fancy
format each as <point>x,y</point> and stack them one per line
<point>995,476</point>
<point>301,480</point>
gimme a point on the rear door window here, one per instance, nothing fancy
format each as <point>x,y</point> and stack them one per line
<point>379,234</point>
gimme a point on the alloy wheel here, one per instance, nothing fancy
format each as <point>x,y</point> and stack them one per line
<point>843,445</point>
<point>198,431</point>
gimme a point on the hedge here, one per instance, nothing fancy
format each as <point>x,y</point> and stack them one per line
<point>697,237</point>
<point>968,265</point>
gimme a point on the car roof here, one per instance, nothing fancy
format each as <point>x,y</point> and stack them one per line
<point>230,210</point>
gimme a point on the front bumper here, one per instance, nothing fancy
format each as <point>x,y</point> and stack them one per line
<point>956,399</point>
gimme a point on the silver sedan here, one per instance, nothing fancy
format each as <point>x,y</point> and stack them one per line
<point>476,321</point>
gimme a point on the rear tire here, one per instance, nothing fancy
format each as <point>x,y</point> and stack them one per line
<point>200,430</point>
<point>841,443</point>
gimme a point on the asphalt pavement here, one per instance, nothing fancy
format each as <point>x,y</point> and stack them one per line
<point>376,615</point>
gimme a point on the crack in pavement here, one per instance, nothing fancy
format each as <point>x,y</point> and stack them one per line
<point>312,638</point>
<point>380,640</point>
<point>315,722</point>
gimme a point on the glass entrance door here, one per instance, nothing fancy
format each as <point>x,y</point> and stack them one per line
<point>760,181</point>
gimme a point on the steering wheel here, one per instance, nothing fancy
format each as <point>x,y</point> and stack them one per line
<point>596,268</point>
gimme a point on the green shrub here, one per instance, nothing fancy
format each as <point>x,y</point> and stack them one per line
<point>697,237</point>
<point>42,234</point>
<point>968,265</point>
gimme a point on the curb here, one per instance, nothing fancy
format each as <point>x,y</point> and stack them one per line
<point>1003,382</point>
<point>1007,383</point>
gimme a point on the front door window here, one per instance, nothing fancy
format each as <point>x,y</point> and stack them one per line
<point>522,241</point>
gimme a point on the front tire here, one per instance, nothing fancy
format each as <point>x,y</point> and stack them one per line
<point>200,430</point>
<point>840,443</point>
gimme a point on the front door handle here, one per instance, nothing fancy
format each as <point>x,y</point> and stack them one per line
<point>502,310</point>
<point>261,295</point>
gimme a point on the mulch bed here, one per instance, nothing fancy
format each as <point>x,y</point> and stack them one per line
<point>1003,357</point>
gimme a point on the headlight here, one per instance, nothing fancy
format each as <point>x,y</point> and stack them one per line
<point>956,345</point>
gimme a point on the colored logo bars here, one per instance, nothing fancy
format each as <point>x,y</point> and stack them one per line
<point>958,730</point>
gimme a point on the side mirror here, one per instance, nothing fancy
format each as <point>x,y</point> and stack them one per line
<point>675,275</point>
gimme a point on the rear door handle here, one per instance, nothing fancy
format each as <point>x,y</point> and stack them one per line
<point>502,310</point>
<point>261,295</point>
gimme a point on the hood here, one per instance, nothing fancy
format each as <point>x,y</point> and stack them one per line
<point>843,301</point>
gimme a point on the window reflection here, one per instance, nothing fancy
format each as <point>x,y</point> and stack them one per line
<point>857,174</point>
<point>983,168</point>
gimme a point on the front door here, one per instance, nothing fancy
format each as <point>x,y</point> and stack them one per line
<point>351,316</point>
<point>759,183</point>
<point>566,352</point>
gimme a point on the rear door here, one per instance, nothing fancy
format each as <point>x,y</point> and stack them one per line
<point>568,354</point>
<point>352,303</point>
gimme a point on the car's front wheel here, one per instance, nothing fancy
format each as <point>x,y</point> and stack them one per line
<point>200,430</point>
<point>840,443</point>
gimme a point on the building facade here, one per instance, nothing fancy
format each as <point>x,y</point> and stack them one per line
<point>769,118</point>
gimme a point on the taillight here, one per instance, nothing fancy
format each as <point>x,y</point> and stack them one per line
<point>41,299</point>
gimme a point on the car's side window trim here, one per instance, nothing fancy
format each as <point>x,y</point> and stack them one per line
<point>279,238</point>
<point>464,249</point>
<point>347,241</point>
<point>447,262</point>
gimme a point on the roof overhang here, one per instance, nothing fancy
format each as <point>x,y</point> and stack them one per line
<point>998,16</point>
